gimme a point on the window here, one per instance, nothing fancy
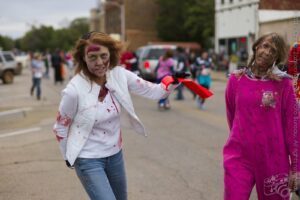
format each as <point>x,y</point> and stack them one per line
<point>156,53</point>
<point>231,1</point>
<point>8,57</point>
<point>222,1</point>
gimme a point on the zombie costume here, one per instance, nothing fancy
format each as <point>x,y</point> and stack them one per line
<point>84,123</point>
<point>263,119</point>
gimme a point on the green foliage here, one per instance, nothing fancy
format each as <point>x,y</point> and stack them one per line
<point>6,43</point>
<point>47,38</point>
<point>189,20</point>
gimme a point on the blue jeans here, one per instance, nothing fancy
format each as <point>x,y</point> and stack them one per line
<point>103,178</point>
<point>36,83</point>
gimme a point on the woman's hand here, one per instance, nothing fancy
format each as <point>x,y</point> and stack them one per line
<point>294,181</point>
<point>69,165</point>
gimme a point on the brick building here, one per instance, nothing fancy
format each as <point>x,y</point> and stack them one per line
<point>128,20</point>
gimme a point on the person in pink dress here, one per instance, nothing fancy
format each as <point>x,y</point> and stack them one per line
<point>165,68</point>
<point>263,118</point>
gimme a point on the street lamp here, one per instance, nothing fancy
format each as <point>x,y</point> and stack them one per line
<point>121,6</point>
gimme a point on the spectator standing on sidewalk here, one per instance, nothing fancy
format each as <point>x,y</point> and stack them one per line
<point>263,117</point>
<point>88,125</point>
<point>37,66</point>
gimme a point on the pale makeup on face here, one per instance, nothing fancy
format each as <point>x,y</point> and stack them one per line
<point>97,59</point>
<point>265,54</point>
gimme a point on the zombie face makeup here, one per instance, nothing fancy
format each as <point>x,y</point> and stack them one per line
<point>266,54</point>
<point>97,59</point>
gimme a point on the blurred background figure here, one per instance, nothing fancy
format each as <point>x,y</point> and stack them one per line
<point>203,69</point>
<point>182,66</point>
<point>47,62</point>
<point>37,66</point>
<point>70,64</point>
<point>165,67</point>
<point>57,64</point>
<point>294,66</point>
<point>128,59</point>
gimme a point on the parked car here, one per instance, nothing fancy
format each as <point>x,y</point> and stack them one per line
<point>148,57</point>
<point>8,66</point>
<point>23,61</point>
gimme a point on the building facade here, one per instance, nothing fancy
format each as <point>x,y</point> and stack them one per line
<point>236,25</point>
<point>240,22</point>
<point>128,20</point>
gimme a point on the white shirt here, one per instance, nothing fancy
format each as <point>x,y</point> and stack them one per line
<point>105,138</point>
<point>37,68</point>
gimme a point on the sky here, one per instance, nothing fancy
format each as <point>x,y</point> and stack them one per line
<point>17,16</point>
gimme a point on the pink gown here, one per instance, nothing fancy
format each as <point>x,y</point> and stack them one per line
<point>263,119</point>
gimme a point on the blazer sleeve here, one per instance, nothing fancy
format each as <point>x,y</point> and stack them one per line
<point>66,113</point>
<point>144,88</point>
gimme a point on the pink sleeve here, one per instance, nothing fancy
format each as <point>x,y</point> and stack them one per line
<point>291,125</point>
<point>230,94</point>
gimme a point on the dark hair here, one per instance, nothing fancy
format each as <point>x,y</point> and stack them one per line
<point>168,54</point>
<point>180,49</point>
<point>100,38</point>
<point>281,51</point>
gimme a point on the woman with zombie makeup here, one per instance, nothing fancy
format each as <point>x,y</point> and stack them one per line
<point>88,124</point>
<point>263,117</point>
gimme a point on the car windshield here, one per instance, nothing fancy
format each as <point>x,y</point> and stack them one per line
<point>8,57</point>
<point>155,53</point>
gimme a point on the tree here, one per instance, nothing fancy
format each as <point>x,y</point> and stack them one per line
<point>47,38</point>
<point>6,43</point>
<point>171,18</point>
<point>200,21</point>
<point>189,20</point>
<point>38,39</point>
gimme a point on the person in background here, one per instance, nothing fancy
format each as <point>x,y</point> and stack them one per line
<point>203,77</point>
<point>47,62</point>
<point>293,67</point>
<point>126,60</point>
<point>88,125</point>
<point>70,64</point>
<point>263,118</point>
<point>57,63</point>
<point>37,66</point>
<point>165,68</point>
<point>181,67</point>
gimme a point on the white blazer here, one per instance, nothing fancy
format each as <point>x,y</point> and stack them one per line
<point>119,82</point>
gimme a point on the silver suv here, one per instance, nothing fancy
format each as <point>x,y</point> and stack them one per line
<point>148,57</point>
<point>8,67</point>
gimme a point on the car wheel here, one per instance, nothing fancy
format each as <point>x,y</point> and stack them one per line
<point>8,77</point>
<point>19,68</point>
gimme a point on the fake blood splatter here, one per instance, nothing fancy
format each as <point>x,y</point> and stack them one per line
<point>93,48</point>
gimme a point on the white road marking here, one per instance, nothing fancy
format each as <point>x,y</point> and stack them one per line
<point>14,111</point>
<point>20,132</point>
<point>20,96</point>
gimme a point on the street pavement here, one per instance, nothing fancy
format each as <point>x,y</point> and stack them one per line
<point>181,159</point>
